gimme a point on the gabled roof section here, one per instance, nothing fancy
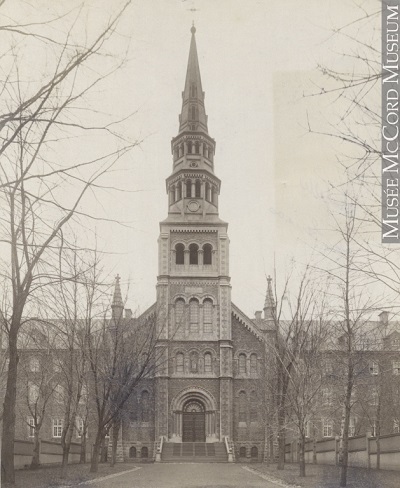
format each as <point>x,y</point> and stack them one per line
<point>246,321</point>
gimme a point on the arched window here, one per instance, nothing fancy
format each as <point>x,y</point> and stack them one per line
<point>253,406</point>
<point>188,188</point>
<point>198,189</point>
<point>189,146</point>
<point>179,312</point>
<point>194,315</point>
<point>242,406</point>
<point>179,254</point>
<point>144,404</point>
<point>207,316</point>
<point>179,362</point>
<point>212,194</point>
<point>145,452</point>
<point>242,363</point>
<point>254,452</point>
<point>176,152</point>
<point>207,254</point>
<point>207,192</point>
<point>181,150</point>
<point>194,362</point>
<point>193,254</point>
<point>207,362</point>
<point>179,186</point>
<point>242,452</point>
<point>193,112</point>
<point>132,452</point>
<point>253,364</point>
<point>197,148</point>
<point>172,194</point>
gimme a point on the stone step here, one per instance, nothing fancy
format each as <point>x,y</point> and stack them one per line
<point>200,452</point>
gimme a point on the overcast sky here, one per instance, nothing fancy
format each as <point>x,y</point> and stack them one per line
<point>257,58</point>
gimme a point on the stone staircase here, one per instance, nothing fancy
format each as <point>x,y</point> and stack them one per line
<point>194,452</point>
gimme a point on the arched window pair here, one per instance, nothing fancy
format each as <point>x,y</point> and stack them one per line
<point>242,360</point>
<point>193,254</point>
<point>194,315</point>
<point>245,409</point>
<point>175,193</point>
<point>193,192</point>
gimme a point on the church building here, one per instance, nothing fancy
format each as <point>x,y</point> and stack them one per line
<point>206,398</point>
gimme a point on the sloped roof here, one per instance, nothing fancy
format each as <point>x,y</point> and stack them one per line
<point>246,321</point>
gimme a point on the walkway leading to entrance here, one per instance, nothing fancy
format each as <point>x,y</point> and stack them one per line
<point>188,476</point>
<point>194,452</point>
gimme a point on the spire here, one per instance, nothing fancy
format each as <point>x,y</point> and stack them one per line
<point>117,305</point>
<point>193,115</point>
<point>269,304</point>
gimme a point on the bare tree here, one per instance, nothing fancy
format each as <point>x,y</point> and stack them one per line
<point>38,379</point>
<point>42,193</point>
<point>352,304</point>
<point>294,329</point>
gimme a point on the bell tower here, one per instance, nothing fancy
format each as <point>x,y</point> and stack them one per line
<point>193,284</point>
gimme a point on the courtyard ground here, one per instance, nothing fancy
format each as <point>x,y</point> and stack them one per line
<point>324,476</point>
<point>187,475</point>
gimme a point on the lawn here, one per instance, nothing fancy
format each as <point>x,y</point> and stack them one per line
<point>323,476</point>
<point>47,477</point>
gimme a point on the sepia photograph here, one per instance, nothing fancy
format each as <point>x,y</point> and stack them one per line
<point>199,243</point>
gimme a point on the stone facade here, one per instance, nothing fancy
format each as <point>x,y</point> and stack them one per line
<point>212,355</point>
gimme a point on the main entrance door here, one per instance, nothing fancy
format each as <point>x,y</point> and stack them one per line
<point>193,422</point>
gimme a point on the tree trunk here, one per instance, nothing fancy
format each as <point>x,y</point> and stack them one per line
<point>345,440</point>
<point>7,446</point>
<point>66,446</point>
<point>82,459</point>
<point>36,451</point>
<point>115,434</point>
<point>64,463</point>
<point>302,459</point>
<point>281,439</point>
<point>378,451</point>
<point>94,466</point>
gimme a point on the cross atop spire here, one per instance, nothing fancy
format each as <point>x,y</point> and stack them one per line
<point>193,115</point>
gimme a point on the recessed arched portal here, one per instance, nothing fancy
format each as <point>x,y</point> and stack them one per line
<point>194,415</point>
<point>193,422</point>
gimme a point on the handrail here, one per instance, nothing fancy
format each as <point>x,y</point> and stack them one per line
<point>159,449</point>
<point>229,449</point>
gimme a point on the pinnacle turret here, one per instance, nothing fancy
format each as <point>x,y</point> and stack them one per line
<point>117,305</point>
<point>269,304</point>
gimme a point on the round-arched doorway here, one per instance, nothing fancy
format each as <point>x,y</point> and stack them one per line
<point>193,422</point>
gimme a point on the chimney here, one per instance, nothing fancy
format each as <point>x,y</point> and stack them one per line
<point>384,317</point>
<point>258,316</point>
<point>128,313</point>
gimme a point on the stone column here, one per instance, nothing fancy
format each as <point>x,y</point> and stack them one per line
<point>186,256</point>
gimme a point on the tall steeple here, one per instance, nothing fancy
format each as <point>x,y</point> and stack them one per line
<point>193,115</point>
<point>193,187</point>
